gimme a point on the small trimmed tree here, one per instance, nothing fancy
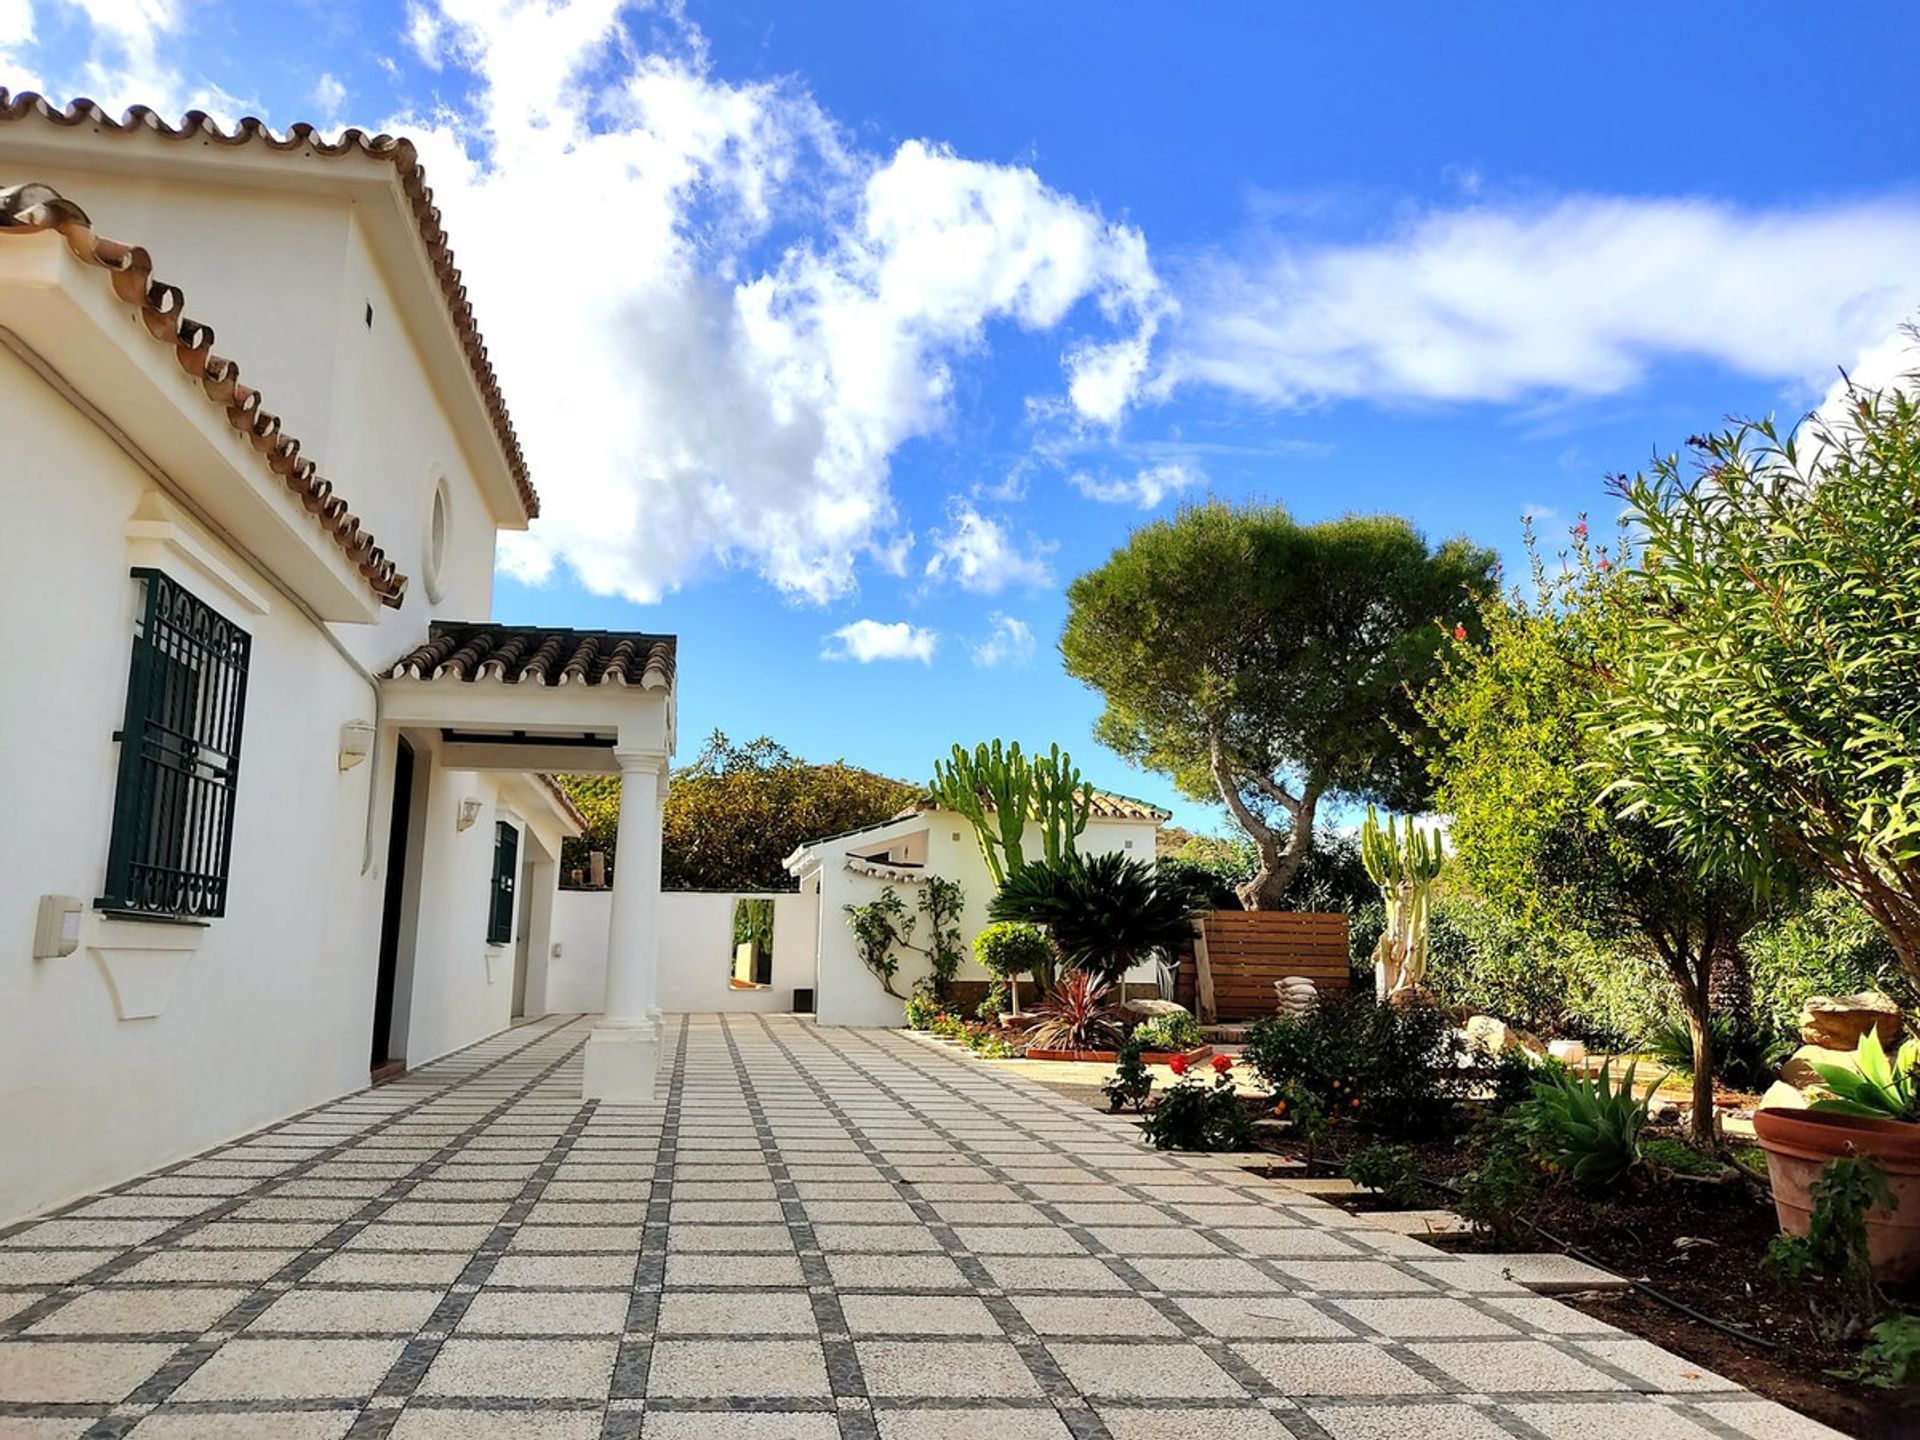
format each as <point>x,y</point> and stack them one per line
<point>1267,664</point>
<point>1770,708</point>
<point>1008,949</point>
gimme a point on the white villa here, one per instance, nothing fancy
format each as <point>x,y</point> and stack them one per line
<point>280,808</point>
<point>285,818</point>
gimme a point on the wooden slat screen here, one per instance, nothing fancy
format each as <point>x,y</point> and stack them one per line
<point>1250,949</point>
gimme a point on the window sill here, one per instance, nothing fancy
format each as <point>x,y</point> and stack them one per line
<point>140,957</point>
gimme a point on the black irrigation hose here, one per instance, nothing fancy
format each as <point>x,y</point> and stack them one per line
<point>1726,1327</point>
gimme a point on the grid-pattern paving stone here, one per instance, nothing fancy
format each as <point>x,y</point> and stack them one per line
<point>811,1233</point>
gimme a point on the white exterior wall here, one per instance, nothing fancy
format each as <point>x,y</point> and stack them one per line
<point>87,1098</point>
<point>285,280</point>
<point>848,992</point>
<point>696,951</point>
<point>270,1008</point>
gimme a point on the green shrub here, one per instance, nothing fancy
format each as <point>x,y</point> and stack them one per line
<point>1513,1072</point>
<point>1193,1116</point>
<point>1560,982</point>
<point>922,1007</point>
<point>1502,1183</point>
<point>1393,1069</point>
<point>1170,1032</point>
<point>1743,1055</point>
<point>1833,1252</point>
<point>1390,1172</point>
<point>993,1004</point>
<point>1589,1130</point>
<point>1891,1359</point>
<point>1826,946</point>
<point>1130,1083</point>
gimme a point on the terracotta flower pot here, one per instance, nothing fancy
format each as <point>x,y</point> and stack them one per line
<point>1800,1143</point>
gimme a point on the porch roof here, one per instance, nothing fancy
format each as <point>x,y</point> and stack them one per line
<point>535,697</point>
<point>468,651</point>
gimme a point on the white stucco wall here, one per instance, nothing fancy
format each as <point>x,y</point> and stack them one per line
<point>87,1098</point>
<point>285,279</point>
<point>849,994</point>
<point>696,951</point>
<point>268,1009</point>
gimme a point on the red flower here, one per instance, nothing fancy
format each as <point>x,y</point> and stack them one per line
<point>1222,1064</point>
<point>1178,1064</point>
<point>1459,632</point>
<point>1605,564</point>
<point>1581,529</point>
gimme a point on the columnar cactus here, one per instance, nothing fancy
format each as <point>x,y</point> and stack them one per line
<point>999,789</point>
<point>1406,867</point>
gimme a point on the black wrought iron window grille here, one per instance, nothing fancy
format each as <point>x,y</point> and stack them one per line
<point>179,757</point>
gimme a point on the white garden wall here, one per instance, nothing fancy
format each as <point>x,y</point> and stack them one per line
<point>848,993</point>
<point>696,951</point>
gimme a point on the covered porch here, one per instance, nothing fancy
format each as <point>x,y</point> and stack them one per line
<point>520,703</point>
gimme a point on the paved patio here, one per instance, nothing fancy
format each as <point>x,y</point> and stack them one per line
<point>816,1233</point>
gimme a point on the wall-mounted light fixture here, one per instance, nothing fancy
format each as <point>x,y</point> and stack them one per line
<point>356,742</point>
<point>469,812</point>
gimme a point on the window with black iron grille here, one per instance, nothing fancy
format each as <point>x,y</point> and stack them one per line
<point>506,857</point>
<point>179,757</point>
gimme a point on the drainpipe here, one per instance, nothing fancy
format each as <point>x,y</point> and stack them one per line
<point>65,389</point>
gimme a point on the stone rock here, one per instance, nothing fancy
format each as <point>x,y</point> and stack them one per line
<point>1782,1095</point>
<point>1799,1072</point>
<point>1409,996</point>
<point>1495,1036</point>
<point>1837,1022</point>
<point>1150,1009</point>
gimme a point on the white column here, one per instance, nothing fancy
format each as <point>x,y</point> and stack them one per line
<point>623,1052</point>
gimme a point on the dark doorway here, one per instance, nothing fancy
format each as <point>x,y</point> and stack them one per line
<point>390,916</point>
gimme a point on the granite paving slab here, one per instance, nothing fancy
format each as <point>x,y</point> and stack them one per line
<point>809,1233</point>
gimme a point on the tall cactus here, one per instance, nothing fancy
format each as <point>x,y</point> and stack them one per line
<point>998,789</point>
<point>1406,866</point>
<point>1062,802</point>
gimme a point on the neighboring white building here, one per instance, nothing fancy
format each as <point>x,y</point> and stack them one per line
<point>854,868</point>
<point>279,814</point>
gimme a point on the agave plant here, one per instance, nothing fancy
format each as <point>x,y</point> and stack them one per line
<point>1106,913</point>
<point>1078,1014</point>
<point>1589,1129</point>
<point>1881,1088</point>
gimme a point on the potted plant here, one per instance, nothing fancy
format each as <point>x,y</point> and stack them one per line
<point>1874,1111</point>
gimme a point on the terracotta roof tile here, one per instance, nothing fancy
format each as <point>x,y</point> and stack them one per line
<point>35,209</point>
<point>397,151</point>
<point>1104,805</point>
<point>477,651</point>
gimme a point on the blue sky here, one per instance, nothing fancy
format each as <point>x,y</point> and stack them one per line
<point>888,319</point>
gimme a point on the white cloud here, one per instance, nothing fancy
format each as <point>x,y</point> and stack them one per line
<point>1580,297</point>
<point>740,317</point>
<point>329,95</point>
<point>868,640</point>
<point>1146,488</point>
<point>982,554</point>
<point>1009,642</point>
<point>16,38</point>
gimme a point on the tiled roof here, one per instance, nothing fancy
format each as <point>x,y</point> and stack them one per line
<point>1104,805</point>
<point>33,209</point>
<point>565,801</point>
<point>463,650</point>
<point>400,153</point>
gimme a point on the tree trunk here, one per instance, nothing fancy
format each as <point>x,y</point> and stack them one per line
<point>1702,1129</point>
<point>1267,890</point>
<point>1730,990</point>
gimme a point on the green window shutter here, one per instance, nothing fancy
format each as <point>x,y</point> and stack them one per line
<point>172,838</point>
<point>506,866</point>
